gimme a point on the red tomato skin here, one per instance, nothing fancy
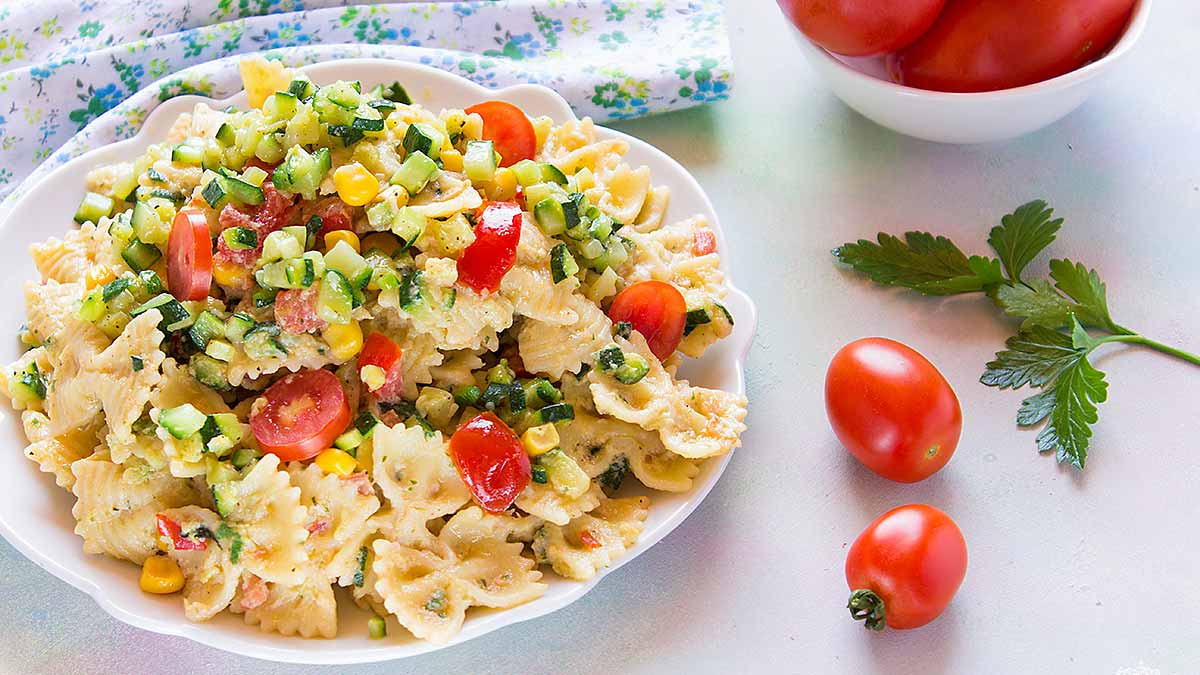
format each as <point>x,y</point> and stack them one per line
<point>914,558</point>
<point>491,461</point>
<point>189,256</point>
<point>862,27</point>
<point>988,45</point>
<point>379,350</point>
<point>509,130</point>
<point>306,432</point>
<point>497,232</point>
<point>657,310</point>
<point>892,409</point>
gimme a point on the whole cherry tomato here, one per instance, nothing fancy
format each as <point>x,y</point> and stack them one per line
<point>491,461</point>
<point>189,256</point>
<point>892,409</point>
<point>497,232</point>
<point>904,569</point>
<point>657,310</point>
<point>303,413</point>
<point>509,130</point>
<point>862,27</point>
<point>985,45</point>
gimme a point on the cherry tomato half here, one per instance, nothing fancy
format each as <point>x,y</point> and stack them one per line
<point>892,409</point>
<point>657,310</point>
<point>382,352</point>
<point>862,27</point>
<point>491,461</point>
<point>905,568</point>
<point>497,231</point>
<point>303,413</point>
<point>189,256</point>
<point>985,45</point>
<point>509,130</point>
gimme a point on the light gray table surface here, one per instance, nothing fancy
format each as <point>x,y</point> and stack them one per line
<point>1069,572</point>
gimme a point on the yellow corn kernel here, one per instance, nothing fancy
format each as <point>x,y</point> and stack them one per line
<point>384,241</point>
<point>355,185</point>
<point>452,160</point>
<point>345,340</point>
<point>230,274</point>
<point>503,186</point>
<point>337,462</point>
<point>98,276</point>
<point>401,197</point>
<point>332,238</point>
<point>540,439</point>
<point>161,575</point>
<point>373,376</point>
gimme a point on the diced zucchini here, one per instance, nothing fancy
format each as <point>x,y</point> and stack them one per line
<point>367,120</point>
<point>220,350</point>
<point>695,318</point>
<point>147,226</point>
<point>565,474</point>
<point>562,263</point>
<point>215,192</point>
<point>349,440</point>
<point>343,258</point>
<point>27,387</point>
<point>93,307</point>
<point>415,173</point>
<point>226,135</point>
<point>396,92</point>
<point>225,493</point>
<point>302,172</point>
<point>467,395</point>
<point>601,227</point>
<point>280,245</point>
<point>209,371</point>
<point>632,370</point>
<point>263,297</point>
<point>376,628</point>
<point>262,342</point>
<point>537,474</point>
<point>346,132</point>
<point>424,139</point>
<point>242,457</point>
<point>173,312</point>
<point>280,106</point>
<point>206,327</point>
<point>552,174</point>
<point>591,249</point>
<point>550,217</point>
<point>149,284</point>
<point>191,155</point>
<point>242,191</point>
<point>240,238</point>
<point>408,225</point>
<point>335,299</point>
<point>269,149</point>
<point>93,207</point>
<point>365,423</point>
<point>302,88</point>
<point>436,405</point>
<point>479,162</point>
<point>237,326</point>
<point>182,421</point>
<point>540,191</point>
<point>609,358</point>
<point>527,172</point>
<point>556,412</point>
<point>140,256</point>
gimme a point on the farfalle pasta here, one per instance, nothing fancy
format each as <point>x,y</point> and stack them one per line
<point>338,346</point>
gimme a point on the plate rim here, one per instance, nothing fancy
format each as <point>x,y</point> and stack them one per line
<point>196,632</point>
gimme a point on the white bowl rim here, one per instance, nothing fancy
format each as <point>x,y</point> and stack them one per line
<point>197,632</point>
<point>1133,32</point>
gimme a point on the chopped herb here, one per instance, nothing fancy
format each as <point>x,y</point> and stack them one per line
<point>361,570</point>
<point>437,603</point>
<point>610,481</point>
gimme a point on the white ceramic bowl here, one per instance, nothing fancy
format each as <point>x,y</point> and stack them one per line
<point>985,117</point>
<point>35,515</point>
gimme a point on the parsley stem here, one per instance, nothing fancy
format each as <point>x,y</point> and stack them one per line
<point>1152,344</point>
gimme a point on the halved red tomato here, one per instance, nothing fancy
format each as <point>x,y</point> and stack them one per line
<point>189,256</point>
<point>381,351</point>
<point>509,130</point>
<point>303,413</point>
<point>657,310</point>
<point>491,461</point>
<point>497,231</point>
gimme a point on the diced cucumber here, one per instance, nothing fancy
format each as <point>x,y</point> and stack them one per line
<point>562,263</point>
<point>140,256</point>
<point>237,326</point>
<point>182,421</point>
<point>93,207</point>
<point>549,215</point>
<point>479,162</point>
<point>209,371</point>
<point>240,238</point>
<point>206,327</point>
<point>422,138</point>
<point>415,173</point>
<point>335,299</point>
<point>191,155</point>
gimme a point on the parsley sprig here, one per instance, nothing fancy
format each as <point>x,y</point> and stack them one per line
<point>1063,319</point>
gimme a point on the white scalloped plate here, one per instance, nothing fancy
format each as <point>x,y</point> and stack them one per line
<point>35,515</point>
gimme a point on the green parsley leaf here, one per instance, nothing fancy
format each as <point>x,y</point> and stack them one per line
<point>1034,357</point>
<point>922,262</point>
<point>1089,293</point>
<point>1076,393</point>
<point>1036,302</point>
<point>1022,235</point>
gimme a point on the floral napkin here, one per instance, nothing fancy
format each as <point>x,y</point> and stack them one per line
<point>78,74</point>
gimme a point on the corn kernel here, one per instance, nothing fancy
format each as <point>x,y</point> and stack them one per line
<point>540,439</point>
<point>384,241</point>
<point>332,238</point>
<point>355,185</point>
<point>337,462</point>
<point>345,340</point>
<point>230,274</point>
<point>373,376</point>
<point>503,186</point>
<point>401,197</point>
<point>98,276</point>
<point>452,160</point>
<point>161,575</point>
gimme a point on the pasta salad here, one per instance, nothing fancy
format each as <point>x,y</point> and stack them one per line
<point>337,339</point>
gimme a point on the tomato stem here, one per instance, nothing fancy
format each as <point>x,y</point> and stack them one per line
<point>868,607</point>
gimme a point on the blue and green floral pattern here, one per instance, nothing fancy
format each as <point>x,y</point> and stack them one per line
<point>76,74</point>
